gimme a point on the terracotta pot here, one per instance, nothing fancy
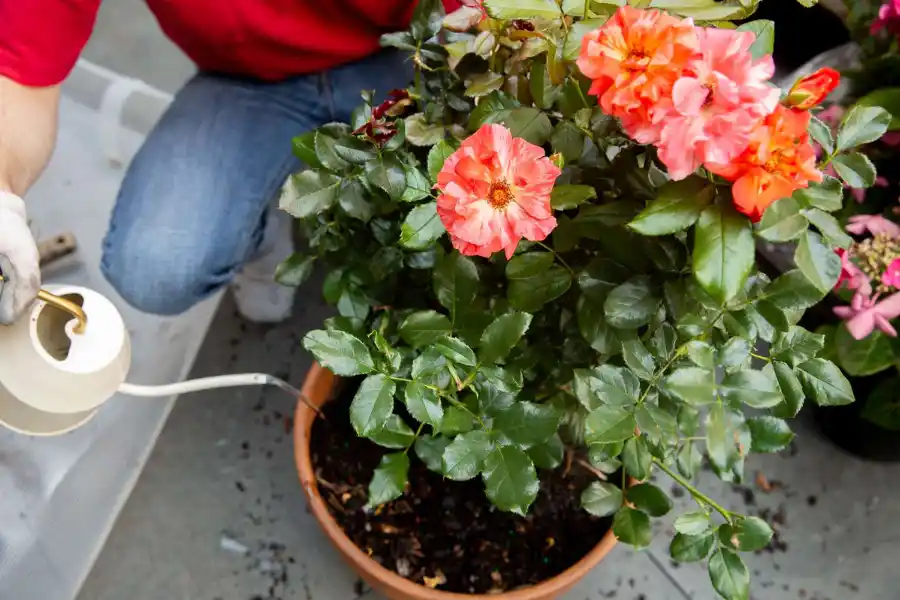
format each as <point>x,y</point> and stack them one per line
<point>318,388</point>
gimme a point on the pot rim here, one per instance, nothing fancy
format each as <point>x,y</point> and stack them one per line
<point>318,388</point>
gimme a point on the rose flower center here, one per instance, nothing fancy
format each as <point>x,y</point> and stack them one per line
<point>499,195</point>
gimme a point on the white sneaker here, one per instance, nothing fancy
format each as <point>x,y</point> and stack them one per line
<point>258,296</point>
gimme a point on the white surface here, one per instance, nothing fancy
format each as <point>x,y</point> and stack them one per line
<point>60,496</point>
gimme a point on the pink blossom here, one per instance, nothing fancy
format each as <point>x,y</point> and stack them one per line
<point>891,276</point>
<point>865,314</point>
<point>716,104</point>
<point>891,138</point>
<point>888,18</point>
<point>873,224</point>
<point>852,275</point>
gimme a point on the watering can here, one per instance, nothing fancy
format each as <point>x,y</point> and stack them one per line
<point>71,353</point>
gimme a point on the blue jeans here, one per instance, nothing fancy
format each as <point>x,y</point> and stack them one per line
<point>192,207</point>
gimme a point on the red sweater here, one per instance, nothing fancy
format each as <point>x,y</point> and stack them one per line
<point>40,40</point>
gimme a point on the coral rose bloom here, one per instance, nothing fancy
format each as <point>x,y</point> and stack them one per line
<point>495,190</point>
<point>778,161</point>
<point>633,60</point>
<point>811,90</point>
<point>717,104</point>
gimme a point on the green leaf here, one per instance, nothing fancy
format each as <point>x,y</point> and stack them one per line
<point>720,442</point>
<point>757,389</point>
<point>765,37</point>
<point>782,221</point>
<point>342,353</point>
<point>568,140</point>
<point>888,99</point>
<point>821,133</point>
<point>308,193</point>
<point>689,460</point>
<point>502,335</point>
<point>600,277</point>
<point>701,354</point>
<point>387,173</point>
<point>457,420</point>
<point>395,434</point>
<point>528,123</point>
<point>734,354</point>
<point>418,187</point>
<point>693,523</point>
<point>827,195</point>
<point>531,294</point>
<point>388,480</point>
<point>817,262</point>
<point>421,227</point>
<point>796,345</point>
<point>724,252</point>
<point>594,328</point>
<point>829,227</point>
<point>522,9</point>
<point>431,451</point>
<point>423,404</point>
<point>507,379</point>
<point>491,109</point>
<point>565,197</point>
<point>856,169</point>
<point>464,457</point>
<point>769,434</point>
<point>548,455</point>
<point>649,499</point>
<point>601,499</point>
<point>677,206</point>
<point>694,385</point>
<point>882,407</point>
<point>424,327</point>
<point>325,140</point>
<point>791,390</point>
<point>863,124</point>
<point>353,150</point>
<point>304,147</point>
<point>632,304</point>
<point>372,405</point>
<point>662,344</point>
<point>510,481</point>
<point>527,423</point>
<point>824,382</point>
<point>456,350</point>
<point>438,155</point>
<point>729,575</point>
<point>706,10</point>
<point>688,548</point>
<point>616,386</point>
<point>352,200</point>
<point>483,84</point>
<point>608,424</point>
<point>792,291</point>
<point>638,359</point>
<point>748,534</point>
<point>295,270</point>
<point>860,358</point>
<point>455,282</point>
<point>353,303</point>
<point>637,459</point>
<point>654,422</point>
<point>528,264</point>
<point>632,527</point>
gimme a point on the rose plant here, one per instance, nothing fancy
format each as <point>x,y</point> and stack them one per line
<point>545,248</point>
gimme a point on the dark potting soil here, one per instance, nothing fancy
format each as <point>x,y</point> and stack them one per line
<point>444,533</point>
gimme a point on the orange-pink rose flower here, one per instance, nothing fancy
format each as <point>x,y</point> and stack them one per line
<point>494,191</point>
<point>634,60</point>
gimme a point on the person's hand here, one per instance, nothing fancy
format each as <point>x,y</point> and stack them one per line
<point>19,260</point>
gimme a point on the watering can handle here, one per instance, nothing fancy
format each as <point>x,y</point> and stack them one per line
<point>67,306</point>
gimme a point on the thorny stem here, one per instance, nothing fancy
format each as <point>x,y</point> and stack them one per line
<point>558,257</point>
<point>697,494</point>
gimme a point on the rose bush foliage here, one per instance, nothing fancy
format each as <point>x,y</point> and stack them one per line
<point>545,248</point>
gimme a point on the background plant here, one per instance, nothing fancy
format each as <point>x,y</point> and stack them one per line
<point>627,337</point>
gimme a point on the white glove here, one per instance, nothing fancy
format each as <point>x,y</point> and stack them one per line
<point>19,260</point>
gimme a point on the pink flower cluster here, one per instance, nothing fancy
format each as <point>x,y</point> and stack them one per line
<point>868,309</point>
<point>888,18</point>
